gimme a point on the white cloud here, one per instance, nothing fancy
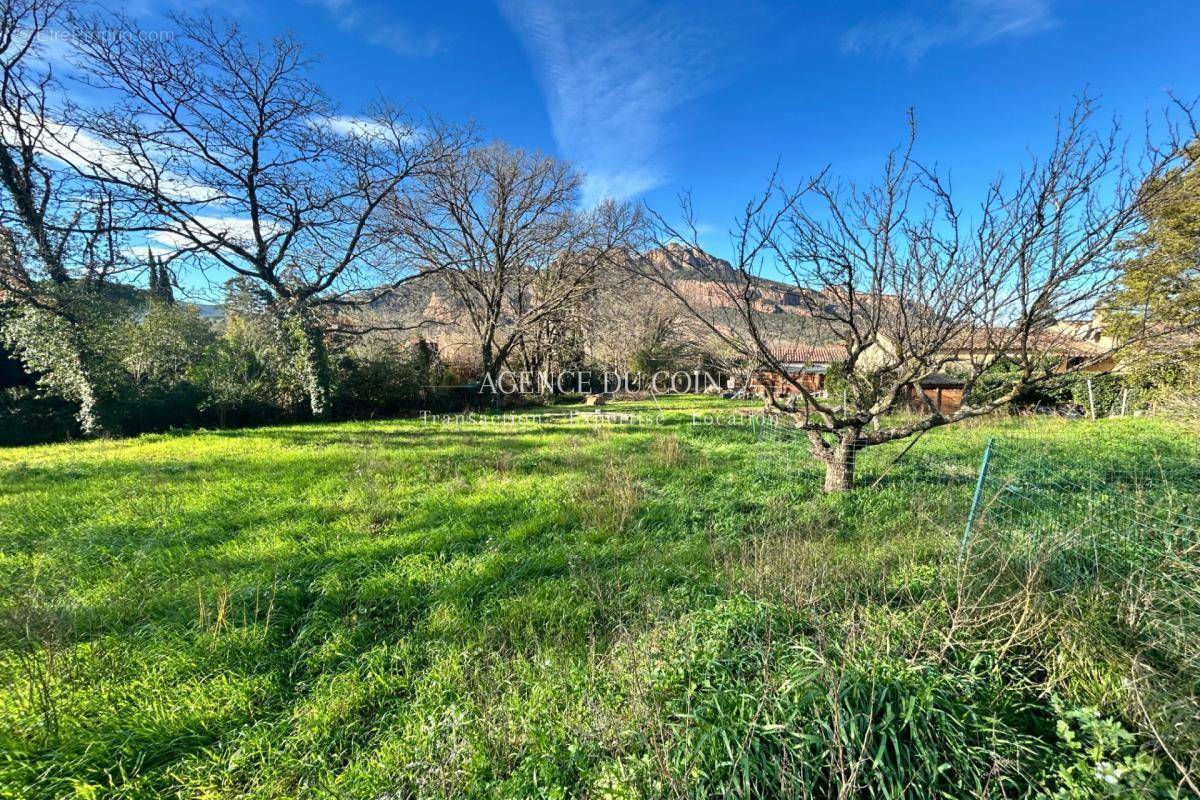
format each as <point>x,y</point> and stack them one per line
<point>88,154</point>
<point>53,50</point>
<point>352,126</point>
<point>140,252</point>
<point>619,183</point>
<point>370,130</point>
<point>233,229</point>
<point>612,75</point>
<point>963,23</point>
<point>404,41</point>
<point>367,128</point>
<point>378,26</point>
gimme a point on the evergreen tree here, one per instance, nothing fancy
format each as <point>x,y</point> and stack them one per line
<point>152,266</point>
<point>1160,288</point>
<point>166,290</point>
<point>160,280</point>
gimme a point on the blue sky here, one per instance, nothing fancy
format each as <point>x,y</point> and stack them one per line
<point>654,98</point>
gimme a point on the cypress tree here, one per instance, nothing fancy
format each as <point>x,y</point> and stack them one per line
<point>160,280</point>
<point>153,266</point>
<point>165,289</point>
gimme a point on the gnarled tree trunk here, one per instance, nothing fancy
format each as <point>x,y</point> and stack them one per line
<point>839,461</point>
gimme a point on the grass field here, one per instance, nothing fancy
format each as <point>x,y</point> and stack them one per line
<point>642,608</point>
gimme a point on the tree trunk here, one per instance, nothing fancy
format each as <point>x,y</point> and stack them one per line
<point>496,395</point>
<point>22,194</point>
<point>839,463</point>
<point>491,374</point>
<point>315,367</point>
<point>88,414</point>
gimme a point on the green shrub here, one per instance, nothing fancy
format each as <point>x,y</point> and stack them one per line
<point>1101,759</point>
<point>381,383</point>
<point>1106,391</point>
<point>999,379</point>
<point>74,359</point>
<point>247,374</point>
<point>28,417</point>
<point>158,351</point>
<point>1070,389</point>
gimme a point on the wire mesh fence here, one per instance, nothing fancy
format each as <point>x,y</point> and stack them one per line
<point>1110,396</point>
<point>1112,513</point>
<point>1074,556</point>
<point>1108,532</point>
<point>1099,512</point>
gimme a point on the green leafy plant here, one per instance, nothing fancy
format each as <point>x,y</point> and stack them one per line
<point>1102,758</point>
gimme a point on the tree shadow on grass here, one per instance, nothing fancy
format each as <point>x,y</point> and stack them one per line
<point>336,569</point>
<point>353,540</point>
<point>157,565</point>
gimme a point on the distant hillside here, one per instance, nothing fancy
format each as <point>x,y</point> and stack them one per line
<point>708,282</point>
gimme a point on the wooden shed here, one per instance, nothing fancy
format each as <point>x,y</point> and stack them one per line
<point>944,391</point>
<point>804,365</point>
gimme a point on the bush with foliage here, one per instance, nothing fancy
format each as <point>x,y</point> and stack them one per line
<point>28,416</point>
<point>1161,378</point>
<point>1068,390</point>
<point>77,360</point>
<point>247,374</point>
<point>1160,288</point>
<point>158,351</point>
<point>1104,390</point>
<point>163,345</point>
<point>383,379</point>
<point>148,365</point>
<point>1000,378</point>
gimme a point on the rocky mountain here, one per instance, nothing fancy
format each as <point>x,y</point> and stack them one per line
<point>710,285</point>
<point>713,282</point>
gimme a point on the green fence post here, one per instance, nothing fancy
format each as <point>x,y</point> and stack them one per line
<point>983,470</point>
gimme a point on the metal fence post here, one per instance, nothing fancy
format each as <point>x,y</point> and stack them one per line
<point>983,470</point>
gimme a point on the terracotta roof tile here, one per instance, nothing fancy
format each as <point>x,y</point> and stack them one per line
<point>821,354</point>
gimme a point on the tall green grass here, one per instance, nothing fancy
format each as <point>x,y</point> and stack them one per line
<point>566,608</point>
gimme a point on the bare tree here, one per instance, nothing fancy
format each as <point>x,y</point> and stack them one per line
<point>635,325</point>
<point>516,250</point>
<point>240,162</point>
<point>61,232</point>
<point>25,173</point>
<point>910,286</point>
<point>555,344</point>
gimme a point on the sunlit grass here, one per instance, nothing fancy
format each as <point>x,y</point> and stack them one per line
<point>435,608</point>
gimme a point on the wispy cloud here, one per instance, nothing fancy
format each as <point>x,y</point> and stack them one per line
<point>139,251</point>
<point>963,23</point>
<point>613,74</point>
<point>362,127</point>
<point>74,147</point>
<point>221,228</point>
<point>378,26</point>
<point>92,156</point>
